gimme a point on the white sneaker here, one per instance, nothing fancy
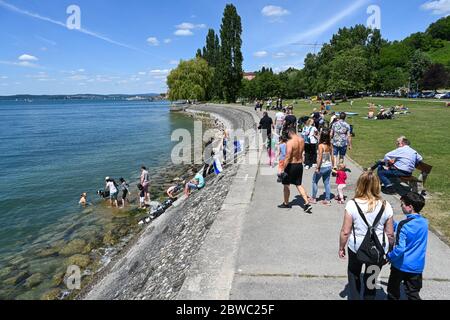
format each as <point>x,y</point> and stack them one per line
<point>314,165</point>
<point>307,167</point>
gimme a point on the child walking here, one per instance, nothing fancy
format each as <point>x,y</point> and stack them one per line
<point>341,181</point>
<point>408,257</point>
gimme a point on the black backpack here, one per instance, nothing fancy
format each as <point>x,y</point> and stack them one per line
<point>371,251</point>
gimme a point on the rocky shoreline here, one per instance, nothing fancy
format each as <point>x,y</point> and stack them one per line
<point>155,264</point>
<point>90,247</point>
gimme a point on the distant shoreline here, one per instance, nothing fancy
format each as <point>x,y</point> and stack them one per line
<point>124,97</point>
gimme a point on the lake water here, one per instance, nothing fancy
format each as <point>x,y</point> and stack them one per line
<point>51,152</point>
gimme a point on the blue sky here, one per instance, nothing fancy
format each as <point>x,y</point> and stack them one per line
<point>130,46</point>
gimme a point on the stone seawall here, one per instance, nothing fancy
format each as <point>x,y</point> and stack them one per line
<point>157,264</point>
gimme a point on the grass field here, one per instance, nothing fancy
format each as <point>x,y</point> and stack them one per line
<point>426,126</point>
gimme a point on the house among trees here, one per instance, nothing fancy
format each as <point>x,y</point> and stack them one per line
<point>249,76</point>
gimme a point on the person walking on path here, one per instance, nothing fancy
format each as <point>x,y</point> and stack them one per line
<point>266,124</point>
<point>366,209</point>
<point>341,181</point>
<point>279,120</point>
<point>293,169</point>
<point>342,137</point>
<point>145,182</point>
<point>310,134</point>
<point>325,164</point>
<point>408,257</point>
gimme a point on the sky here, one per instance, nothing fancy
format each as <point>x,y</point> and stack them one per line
<point>129,47</point>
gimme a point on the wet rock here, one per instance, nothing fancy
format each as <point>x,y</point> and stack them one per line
<point>51,295</point>
<point>58,279</point>
<point>88,248</point>
<point>18,278</point>
<point>5,272</point>
<point>74,246</point>
<point>48,252</point>
<point>17,261</point>
<point>109,239</point>
<point>79,260</point>
<point>35,280</point>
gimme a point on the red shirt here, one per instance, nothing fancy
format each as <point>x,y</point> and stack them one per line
<point>341,177</point>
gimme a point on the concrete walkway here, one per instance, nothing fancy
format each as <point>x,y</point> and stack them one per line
<point>285,254</point>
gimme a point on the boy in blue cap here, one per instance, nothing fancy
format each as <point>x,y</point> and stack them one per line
<point>408,257</point>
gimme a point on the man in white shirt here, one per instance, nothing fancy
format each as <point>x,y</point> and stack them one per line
<point>279,120</point>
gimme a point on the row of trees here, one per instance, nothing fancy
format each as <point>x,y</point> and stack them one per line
<point>355,59</point>
<point>216,72</point>
<point>358,59</point>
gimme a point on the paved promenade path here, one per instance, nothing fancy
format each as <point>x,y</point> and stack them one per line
<point>289,254</point>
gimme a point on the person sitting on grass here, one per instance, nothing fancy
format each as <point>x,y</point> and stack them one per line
<point>408,257</point>
<point>195,184</point>
<point>400,162</point>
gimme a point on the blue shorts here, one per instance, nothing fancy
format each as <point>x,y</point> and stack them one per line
<point>113,196</point>
<point>341,151</point>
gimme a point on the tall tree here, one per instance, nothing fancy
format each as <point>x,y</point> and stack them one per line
<point>211,53</point>
<point>190,80</point>
<point>230,53</point>
<point>435,77</point>
<point>440,29</point>
<point>419,63</point>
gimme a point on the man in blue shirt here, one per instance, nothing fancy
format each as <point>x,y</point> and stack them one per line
<point>408,257</point>
<point>401,163</point>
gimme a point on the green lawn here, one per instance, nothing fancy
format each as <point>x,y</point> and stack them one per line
<point>426,127</point>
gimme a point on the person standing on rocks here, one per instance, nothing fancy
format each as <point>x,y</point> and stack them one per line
<point>145,182</point>
<point>293,169</point>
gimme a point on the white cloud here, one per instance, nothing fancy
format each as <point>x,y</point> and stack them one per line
<point>190,26</point>
<point>173,62</point>
<point>274,11</point>
<point>166,41</point>
<point>78,77</point>
<point>260,54</point>
<point>26,64</point>
<point>3,77</point>
<point>438,7</point>
<point>185,28</point>
<point>153,41</point>
<point>183,33</point>
<point>81,70</point>
<point>279,55</point>
<point>27,57</point>
<point>142,73</point>
<point>158,72</point>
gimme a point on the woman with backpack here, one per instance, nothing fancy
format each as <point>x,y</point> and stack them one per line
<point>310,135</point>
<point>368,231</point>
